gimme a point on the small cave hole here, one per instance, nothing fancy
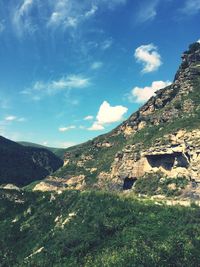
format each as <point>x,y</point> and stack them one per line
<point>128,183</point>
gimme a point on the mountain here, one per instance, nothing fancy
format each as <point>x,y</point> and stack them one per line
<point>22,165</point>
<point>155,153</point>
<point>163,136</point>
<point>59,152</point>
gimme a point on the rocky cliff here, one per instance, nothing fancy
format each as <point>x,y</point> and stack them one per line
<point>163,135</point>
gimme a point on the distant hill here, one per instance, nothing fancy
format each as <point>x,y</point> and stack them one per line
<point>59,152</point>
<point>22,165</point>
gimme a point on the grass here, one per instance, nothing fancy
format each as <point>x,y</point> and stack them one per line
<point>158,183</point>
<point>106,229</point>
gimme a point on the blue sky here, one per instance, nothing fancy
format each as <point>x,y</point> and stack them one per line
<point>73,69</point>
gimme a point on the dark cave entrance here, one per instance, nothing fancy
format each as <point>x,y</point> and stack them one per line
<point>167,161</point>
<point>128,183</point>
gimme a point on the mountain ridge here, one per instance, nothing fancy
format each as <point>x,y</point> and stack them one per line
<point>22,165</point>
<point>173,108</point>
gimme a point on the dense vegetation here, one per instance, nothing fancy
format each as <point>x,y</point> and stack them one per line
<point>157,183</point>
<point>100,158</point>
<point>22,165</point>
<point>95,229</point>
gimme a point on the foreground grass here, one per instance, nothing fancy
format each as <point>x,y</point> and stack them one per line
<point>93,229</point>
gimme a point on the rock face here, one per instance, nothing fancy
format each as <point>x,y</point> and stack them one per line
<point>179,156</point>
<point>163,135</point>
<point>53,183</point>
<point>22,165</point>
<point>172,100</point>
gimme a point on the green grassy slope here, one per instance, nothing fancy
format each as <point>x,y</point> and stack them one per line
<point>95,229</point>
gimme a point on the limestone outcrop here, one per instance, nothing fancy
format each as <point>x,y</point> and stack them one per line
<point>175,155</point>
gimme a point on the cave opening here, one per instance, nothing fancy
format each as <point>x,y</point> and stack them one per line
<point>167,161</point>
<point>128,183</point>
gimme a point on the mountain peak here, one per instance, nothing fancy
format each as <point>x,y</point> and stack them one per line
<point>190,58</point>
<point>160,136</point>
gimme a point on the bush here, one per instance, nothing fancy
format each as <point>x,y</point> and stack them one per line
<point>158,183</point>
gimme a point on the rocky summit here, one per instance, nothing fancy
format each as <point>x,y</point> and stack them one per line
<point>161,137</point>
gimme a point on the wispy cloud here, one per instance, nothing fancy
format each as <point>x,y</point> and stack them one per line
<point>30,16</point>
<point>12,118</point>
<point>70,14</point>
<point>107,44</point>
<point>147,11</point>
<point>149,57</point>
<point>67,128</point>
<point>96,65</point>
<point>41,88</point>
<point>64,14</point>
<point>107,114</point>
<point>89,118</point>
<point>21,18</point>
<point>191,7</point>
<point>91,12</point>
<point>142,94</point>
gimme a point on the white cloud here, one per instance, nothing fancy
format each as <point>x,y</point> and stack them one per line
<point>25,6</point>
<point>70,81</point>
<point>107,114</point>
<point>140,95</point>
<point>69,14</point>
<point>147,10</point>
<point>107,44</point>
<point>21,119</point>
<point>91,12</point>
<point>96,127</point>
<point>66,11</point>
<point>41,88</point>
<point>191,7</point>
<point>45,143</point>
<point>10,118</point>
<point>148,55</point>
<point>96,65</point>
<point>21,19</point>
<point>88,118</point>
<point>198,41</point>
<point>65,129</point>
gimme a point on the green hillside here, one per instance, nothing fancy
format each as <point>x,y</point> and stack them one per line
<point>95,229</point>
